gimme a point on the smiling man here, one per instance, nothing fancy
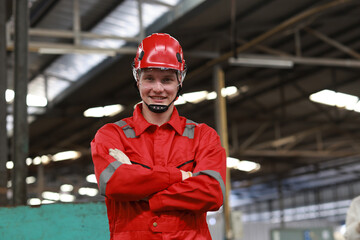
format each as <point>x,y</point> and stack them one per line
<point>159,172</point>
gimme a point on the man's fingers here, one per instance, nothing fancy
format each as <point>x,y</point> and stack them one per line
<point>119,156</point>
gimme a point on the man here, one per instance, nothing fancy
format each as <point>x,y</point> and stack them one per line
<point>160,173</point>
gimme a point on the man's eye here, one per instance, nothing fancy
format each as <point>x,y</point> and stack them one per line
<point>167,80</point>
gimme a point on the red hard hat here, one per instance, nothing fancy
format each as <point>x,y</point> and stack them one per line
<point>160,50</point>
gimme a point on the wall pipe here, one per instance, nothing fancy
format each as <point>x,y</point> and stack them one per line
<point>3,114</point>
<point>21,128</point>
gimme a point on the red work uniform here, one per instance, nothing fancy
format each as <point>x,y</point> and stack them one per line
<point>148,199</point>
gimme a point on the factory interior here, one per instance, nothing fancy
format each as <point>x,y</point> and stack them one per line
<point>279,80</point>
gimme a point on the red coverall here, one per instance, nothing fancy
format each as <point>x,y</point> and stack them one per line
<point>148,199</point>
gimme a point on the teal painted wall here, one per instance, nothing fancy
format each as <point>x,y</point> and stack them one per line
<point>55,221</point>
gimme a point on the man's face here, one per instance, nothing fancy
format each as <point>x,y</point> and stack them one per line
<point>158,86</point>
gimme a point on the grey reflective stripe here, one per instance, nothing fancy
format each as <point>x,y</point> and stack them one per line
<point>189,129</point>
<point>106,175</point>
<point>215,175</point>
<point>129,132</point>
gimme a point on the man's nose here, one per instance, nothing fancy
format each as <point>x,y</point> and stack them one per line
<point>158,86</point>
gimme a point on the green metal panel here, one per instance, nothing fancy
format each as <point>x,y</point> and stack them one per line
<point>55,221</point>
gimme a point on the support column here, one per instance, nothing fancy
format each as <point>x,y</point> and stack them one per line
<point>21,128</point>
<point>141,25</point>
<point>3,107</point>
<point>221,127</point>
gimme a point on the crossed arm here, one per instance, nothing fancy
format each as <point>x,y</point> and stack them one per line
<point>122,158</point>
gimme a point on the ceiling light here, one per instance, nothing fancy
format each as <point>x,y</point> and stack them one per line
<point>34,201</point>
<point>36,101</point>
<point>30,179</point>
<point>9,165</point>
<point>51,196</point>
<point>31,100</point>
<point>91,178</point>
<point>37,160</point>
<point>357,107</point>
<point>9,95</point>
<point>211,96</point>
<point>76,50</point>
<point>230,91</point>
<point>66,188</point>
<point>195,97</point>
<point>332,98</point>
<point>67,197</point>
<point>261,62</point>
<point>88,191</point>
<point>107,111</point>
<point>45,159</point>
<point>67,155</point>
<point>180,101</point>
<point>243,165</point>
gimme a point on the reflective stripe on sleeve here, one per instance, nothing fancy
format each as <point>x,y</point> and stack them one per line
<point>215,175</point>
<point>106,175</point>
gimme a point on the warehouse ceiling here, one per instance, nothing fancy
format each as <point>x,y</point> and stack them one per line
<point>277,53</point>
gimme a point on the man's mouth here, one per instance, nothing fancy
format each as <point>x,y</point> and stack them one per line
<point>157,98</point>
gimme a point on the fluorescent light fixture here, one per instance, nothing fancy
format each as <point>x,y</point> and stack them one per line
<point>36,101</point>
<point>74,50</point>
<point>67,155</point>
<point>88,191</point>
<point>211,96</point>
<point>31,100</point>
<point>36,160</point>
<point>9,165</point>
<point>261,62</point>
<point>9,95</point>
<point>195,97</point>
<point>65,197</point>
<point>229,91</point>
<point>45,159</point>
<point>66,188</point>
<point>107,111</point>
<point>91,178</point>
<point>357,107</point>
<point>243,165</point>
<point>34,201</point>
<point>340,100</point>
<point>46,201</point>
<point>30,179</point>
<point>199,96</point>
<point>53,196</point>
<point>180,101</point>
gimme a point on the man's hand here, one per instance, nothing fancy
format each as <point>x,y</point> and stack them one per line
<point>185,175</point>
<point>119,155</point>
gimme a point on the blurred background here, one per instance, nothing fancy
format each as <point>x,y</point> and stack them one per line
<point>288,71</point>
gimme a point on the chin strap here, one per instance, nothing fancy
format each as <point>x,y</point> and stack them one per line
<point>157,108</point>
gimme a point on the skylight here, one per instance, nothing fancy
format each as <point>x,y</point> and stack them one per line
<point>338,99</point>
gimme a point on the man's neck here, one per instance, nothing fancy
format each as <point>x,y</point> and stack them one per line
<point>157,118</point>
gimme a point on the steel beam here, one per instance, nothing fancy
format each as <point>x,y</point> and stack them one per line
<point>21,128</point>
<point>3,86</point>
<point>262,37</point>
<point>333,43</point>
